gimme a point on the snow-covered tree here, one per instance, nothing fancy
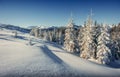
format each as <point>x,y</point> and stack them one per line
<point>115,36</point>
<point>57,36</point>
<point>46,37</point>
<point>50,36</point>
<point>61,38</point>
<point>86,40</point>
<point>15,34</point>
<point>54,35</point>
<point>36,32</point>
<point>69,42</point>
<point>85,44</point>
<point>115,50</point>
<point>96,33</point>
<point>40,33</point>
<point>103,51</point>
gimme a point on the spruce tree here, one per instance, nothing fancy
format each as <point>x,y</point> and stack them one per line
<point>46,37</point>
<point>86,40</point>
<point>103,51</point>
<point>69,43</point>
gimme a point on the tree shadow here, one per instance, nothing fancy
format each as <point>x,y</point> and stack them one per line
<point>5,39</point>
<point>21,37</point>
<point>114,65</point>
<point>3,35</point>
<point>51,55</point>
<point>54,44</point>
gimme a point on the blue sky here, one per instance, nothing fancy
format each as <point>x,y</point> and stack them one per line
<point>57,12</point>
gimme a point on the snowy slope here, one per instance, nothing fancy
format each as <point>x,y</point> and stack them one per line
<point>12,27</point>
<point>44,59</point>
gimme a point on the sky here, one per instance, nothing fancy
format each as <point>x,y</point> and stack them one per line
<point>26,13</point>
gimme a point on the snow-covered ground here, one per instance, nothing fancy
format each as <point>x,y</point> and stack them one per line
<point>44,59</point>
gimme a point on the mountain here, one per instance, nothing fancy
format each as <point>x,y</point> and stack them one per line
<point>12,27</point>
<point>31,27</point>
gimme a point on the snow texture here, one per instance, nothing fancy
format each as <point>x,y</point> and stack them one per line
<point>44,59</point>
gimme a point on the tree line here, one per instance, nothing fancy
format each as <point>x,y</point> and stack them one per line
<point>100,42</point>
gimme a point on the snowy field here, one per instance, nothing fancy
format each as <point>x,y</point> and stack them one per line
<point>44,59</point>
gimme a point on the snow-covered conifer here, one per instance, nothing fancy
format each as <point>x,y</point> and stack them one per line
<point>36,31</point>
<point>46,37</point>
<point>69,42</point>
<point>96,33</point>
<point>15,34</point>
<point>50,35</point>
<point>115,50</point>
<point>60,37</point>
<point>103,51</point>
<point>86,41</point>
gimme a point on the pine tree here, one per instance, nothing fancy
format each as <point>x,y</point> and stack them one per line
<point>61,31</point>
<point>32,32</point>
<point>103,51</point>
<point>115,50</point>
<point>57,36</point>
<point>40,33</point>
<point>86,41</point>
<point>36,31</point>
<point>61,38</point>
<point>69,42</point>
<point>46,36</point>
<point>54,35</point>
<point>115,36</point>
<point>96,33</point>
<point>50,36</point>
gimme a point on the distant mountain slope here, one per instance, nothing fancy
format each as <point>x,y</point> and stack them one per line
<point>17,28</point>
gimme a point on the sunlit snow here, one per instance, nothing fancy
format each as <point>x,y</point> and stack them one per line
<point>44,59</point>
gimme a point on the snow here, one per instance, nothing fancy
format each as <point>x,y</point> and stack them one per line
<point>44,59</point>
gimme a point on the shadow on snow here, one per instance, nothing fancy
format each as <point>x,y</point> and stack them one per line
<point>114,65</point>
<point>51,55</point>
